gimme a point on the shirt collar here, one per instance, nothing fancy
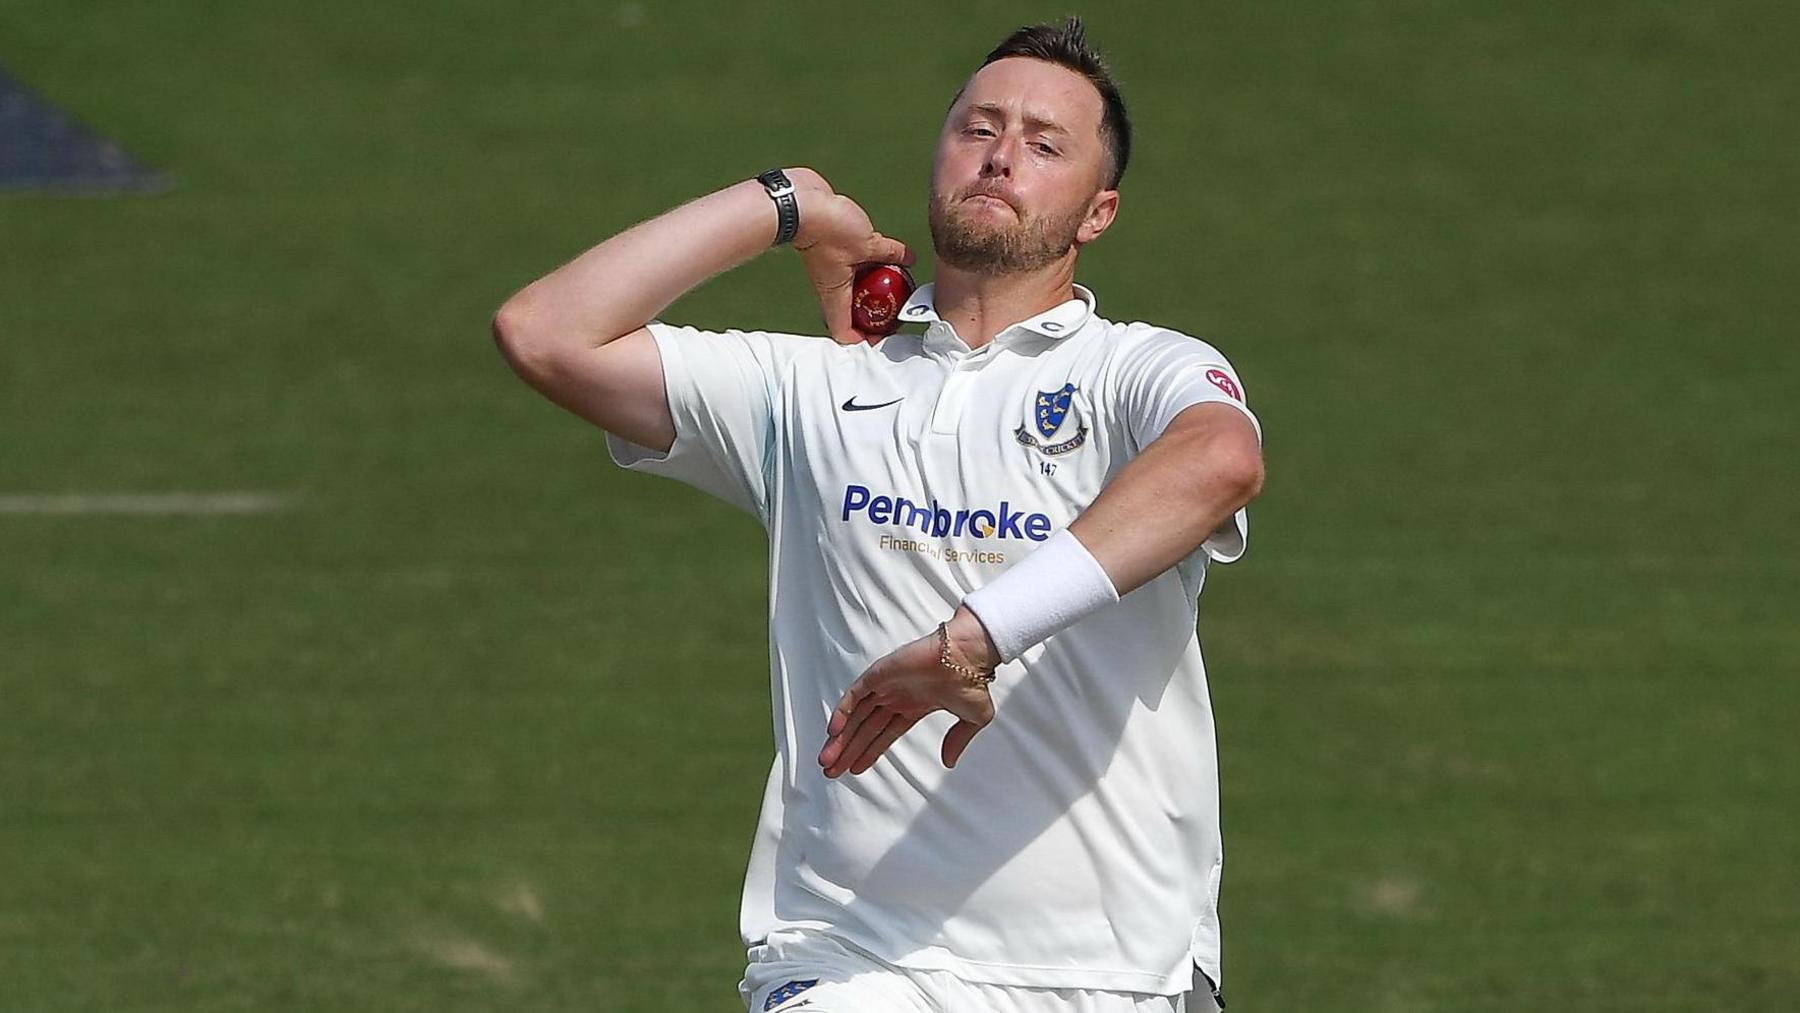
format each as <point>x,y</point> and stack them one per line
<point>1055,323</point>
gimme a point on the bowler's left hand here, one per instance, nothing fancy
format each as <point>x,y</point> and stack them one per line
<point>898,691</point>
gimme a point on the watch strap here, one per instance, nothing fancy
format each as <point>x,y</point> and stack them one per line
<point>787,204</point>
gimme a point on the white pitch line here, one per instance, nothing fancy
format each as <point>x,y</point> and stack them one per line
<point>187,504</point>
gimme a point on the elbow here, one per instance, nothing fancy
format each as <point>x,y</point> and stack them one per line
<point>516,332</point>
<point>1238,470</point>
<point>1250,477</point>
<point>512,321</point>
<point>1221,455</point>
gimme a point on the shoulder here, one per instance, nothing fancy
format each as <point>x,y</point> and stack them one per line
<point>1149,365</point>
<point>1139,340</point>
<point>1135,355</point>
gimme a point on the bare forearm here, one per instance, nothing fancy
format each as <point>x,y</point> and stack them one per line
<point>621,284</point>
<point>1157,510</point>
<point>577,335</point>
<point>1160,507</point>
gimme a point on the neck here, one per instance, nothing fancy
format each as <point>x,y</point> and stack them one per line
<point>980,306</point>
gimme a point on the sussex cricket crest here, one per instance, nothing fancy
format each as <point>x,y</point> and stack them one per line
<point>1049,414</point>
<point>788,991</point>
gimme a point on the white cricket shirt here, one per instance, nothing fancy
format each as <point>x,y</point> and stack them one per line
<point>1076,844</point>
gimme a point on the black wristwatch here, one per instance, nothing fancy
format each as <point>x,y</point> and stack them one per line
<point>787,205</point>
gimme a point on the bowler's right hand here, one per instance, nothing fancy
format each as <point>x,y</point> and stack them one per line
<point>835,238</point>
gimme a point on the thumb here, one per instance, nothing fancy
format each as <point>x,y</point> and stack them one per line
<point>957,740</point>
<point>883,250</point>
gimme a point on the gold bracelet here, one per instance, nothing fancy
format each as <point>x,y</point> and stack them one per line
<point>973,676</point>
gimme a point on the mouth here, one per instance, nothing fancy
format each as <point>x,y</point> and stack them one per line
<point>986,199</point>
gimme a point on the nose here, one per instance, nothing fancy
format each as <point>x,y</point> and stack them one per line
<point>999,161</point>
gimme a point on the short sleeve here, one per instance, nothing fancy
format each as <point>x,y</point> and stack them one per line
<point>721,387</point>
<point>1162,375</point>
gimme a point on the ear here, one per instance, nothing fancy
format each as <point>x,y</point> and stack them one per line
<point>1101,212</point>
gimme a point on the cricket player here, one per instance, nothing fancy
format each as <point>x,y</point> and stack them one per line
<point>996,786</point>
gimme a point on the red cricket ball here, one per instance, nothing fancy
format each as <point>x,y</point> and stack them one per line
<point>876,297</point>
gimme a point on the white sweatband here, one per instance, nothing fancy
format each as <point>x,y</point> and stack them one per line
<point>1050,590</point>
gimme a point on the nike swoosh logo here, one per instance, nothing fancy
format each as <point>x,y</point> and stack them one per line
<point>851,405</point>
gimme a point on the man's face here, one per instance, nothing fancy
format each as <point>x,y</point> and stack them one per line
<point>1019,176</point>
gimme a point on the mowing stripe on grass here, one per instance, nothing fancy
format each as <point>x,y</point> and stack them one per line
<point>190,504</point>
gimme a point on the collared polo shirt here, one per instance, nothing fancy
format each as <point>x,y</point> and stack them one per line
<point>1076,844</point>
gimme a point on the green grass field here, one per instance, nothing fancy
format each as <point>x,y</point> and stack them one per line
<point>1506,686</point>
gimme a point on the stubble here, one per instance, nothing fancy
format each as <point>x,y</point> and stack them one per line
<point>983,245</point>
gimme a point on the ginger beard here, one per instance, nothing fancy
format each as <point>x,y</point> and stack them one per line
<point>990,244</point>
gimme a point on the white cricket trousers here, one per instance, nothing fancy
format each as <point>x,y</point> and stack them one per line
<point>797,972</point>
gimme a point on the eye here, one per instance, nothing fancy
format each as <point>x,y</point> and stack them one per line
<point>1043,148</point>
<point>979,130</point>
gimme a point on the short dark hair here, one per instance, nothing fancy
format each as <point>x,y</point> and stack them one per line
<point>1066,45</point>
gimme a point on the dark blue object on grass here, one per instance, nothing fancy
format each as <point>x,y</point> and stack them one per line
<point>42,148</point>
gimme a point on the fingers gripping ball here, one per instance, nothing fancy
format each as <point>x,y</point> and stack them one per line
<point>876,297</point>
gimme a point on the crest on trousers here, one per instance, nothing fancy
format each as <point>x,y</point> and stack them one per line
<point>787,991</point>
<point>1048,414</point>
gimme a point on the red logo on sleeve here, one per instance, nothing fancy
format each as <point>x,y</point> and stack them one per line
<point>1222,380</point>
